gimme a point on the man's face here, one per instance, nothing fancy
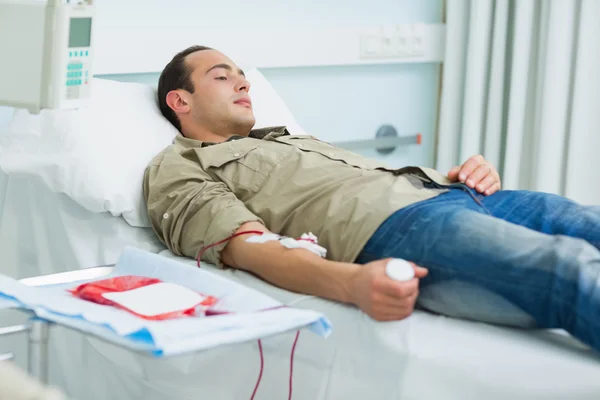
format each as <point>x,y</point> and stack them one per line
<point>220,101</point>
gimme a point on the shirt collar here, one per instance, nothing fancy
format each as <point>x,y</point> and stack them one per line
<point>260,133</point>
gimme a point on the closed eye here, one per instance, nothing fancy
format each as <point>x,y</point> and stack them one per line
<point>222,78</point>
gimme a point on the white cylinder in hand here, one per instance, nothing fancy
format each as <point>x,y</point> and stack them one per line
<point>399,270</point>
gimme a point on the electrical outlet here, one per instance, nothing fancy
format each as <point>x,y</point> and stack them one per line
<point>393,41</point>
<point>370,43</point>
<point>416,38</point>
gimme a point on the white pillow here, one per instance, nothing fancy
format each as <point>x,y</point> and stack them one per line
<point>97,155</point>
<point>269,108</point>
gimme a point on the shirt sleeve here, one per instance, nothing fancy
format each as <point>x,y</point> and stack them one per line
<point>188,210</point>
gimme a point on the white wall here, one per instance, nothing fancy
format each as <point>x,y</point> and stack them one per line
<point>349,103</point>
<point>333,103</point>
<point>273,12</point>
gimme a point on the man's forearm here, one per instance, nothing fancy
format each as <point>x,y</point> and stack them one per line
<point>297,270</point>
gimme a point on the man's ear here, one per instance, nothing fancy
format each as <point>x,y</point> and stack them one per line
<point>176,100</point>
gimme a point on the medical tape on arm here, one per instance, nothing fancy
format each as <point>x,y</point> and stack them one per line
<point>307,241</point>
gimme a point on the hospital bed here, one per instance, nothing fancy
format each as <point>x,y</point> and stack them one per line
<point>71,199</point>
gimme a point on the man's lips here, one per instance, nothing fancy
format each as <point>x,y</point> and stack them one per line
<point>244,102</point>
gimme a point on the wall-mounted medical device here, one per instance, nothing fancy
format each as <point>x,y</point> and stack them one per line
<point>45,53</point>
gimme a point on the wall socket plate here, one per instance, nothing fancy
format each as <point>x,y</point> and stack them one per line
<point>393,41</point>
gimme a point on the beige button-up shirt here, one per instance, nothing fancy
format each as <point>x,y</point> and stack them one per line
<point>200,193</point>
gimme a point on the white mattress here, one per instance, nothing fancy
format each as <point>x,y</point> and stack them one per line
<point>423,357</point>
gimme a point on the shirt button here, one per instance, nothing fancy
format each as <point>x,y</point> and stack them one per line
<point>236,154</point>
<point>330,154</point>
<point>301,145</point>
<point>165,215</point>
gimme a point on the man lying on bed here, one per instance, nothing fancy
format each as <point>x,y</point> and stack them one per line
<point>537,251</point>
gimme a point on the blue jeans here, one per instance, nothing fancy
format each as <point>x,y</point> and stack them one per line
<point>516,257</point>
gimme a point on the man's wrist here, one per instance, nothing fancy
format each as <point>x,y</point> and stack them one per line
<point>345,276</point>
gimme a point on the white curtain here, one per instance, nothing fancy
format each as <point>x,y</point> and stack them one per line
<point>521,85</point>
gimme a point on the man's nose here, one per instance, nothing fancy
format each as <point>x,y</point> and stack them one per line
<point>242,85</point>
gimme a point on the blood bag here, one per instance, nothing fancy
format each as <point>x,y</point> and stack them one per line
<point>147,298</point>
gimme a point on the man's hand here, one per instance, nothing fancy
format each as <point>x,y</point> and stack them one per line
<point>477,174</point>
<point>382,298</point>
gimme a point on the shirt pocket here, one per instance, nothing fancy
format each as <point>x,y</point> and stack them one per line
<point>237,165</point>
<point>310,143</point>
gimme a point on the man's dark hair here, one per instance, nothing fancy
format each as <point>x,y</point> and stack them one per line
<point>176,75</point>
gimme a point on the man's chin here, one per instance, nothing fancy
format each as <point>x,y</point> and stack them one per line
<point>245,124</point>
